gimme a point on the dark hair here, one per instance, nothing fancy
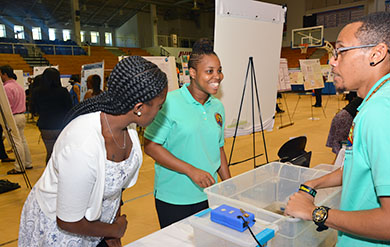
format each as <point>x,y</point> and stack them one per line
<point>74,78</point>
<point>95,83</point>
<point>375,29</point>
<point>50,78</point>
<point>9,71</point>
<point>37,81</point>
<point>133,80</point>
<point>201,47</point>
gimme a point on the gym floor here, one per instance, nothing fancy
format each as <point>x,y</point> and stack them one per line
<point>138,200</point>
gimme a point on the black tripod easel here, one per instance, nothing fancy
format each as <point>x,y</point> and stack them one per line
<point>12,142</point>
<point>253,88</point>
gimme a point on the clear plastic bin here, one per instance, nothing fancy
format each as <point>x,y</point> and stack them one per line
<point>264,191</point>
<point>326,167</point>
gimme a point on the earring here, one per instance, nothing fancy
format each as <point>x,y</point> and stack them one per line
<point>139,114</point>
<point>372,64</point>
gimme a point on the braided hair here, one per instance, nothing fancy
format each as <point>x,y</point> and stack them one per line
<point>133,80</point>
<point>201,47</point>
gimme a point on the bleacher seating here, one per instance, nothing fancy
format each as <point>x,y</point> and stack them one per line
<point>293,56</point>
<point>59,47</point>
<point>69,64</point>
<point>11,45</point>
<point>15,61</point>
<point>134,51</point>
<point>59,52</point>
<point>72,64</point>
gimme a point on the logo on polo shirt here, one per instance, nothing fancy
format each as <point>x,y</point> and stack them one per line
<point>218,118</point>
<point>350,136</point>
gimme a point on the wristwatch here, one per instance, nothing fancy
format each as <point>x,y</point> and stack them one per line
<point>319,215</point>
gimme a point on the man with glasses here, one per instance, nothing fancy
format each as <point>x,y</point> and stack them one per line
<point>361,62</point>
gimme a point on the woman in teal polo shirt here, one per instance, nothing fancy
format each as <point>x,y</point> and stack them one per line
<point>186,140</point>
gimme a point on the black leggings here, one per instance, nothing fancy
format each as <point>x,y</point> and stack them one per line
<point>171,213</point>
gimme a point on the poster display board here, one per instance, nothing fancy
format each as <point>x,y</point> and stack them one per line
<point>284,78</point>
<point>38,70</point>
<point>87,70</point>
<point>240,28</point>
<point>296,77</point>
<point>20,78</point>
<point>167,65</point>
<point>65,81</point>
<point>185,75</point>
<point>312,74</point>
<point>327,72</point>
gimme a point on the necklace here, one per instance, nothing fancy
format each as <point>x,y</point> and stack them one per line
<point>124,134</point>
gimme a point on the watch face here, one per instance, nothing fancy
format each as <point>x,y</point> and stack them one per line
<point>319,214</point>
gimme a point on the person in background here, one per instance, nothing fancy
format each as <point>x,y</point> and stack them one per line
<point>77,200</point>
<point>341,124</point>
<point>52,102</point>
<point>187,140</point>
<point>278,109</point>
<point>3,154</point>
<point>17,100</point>
<point>34,86</point>
<point>318,94</point>
<point>93,84</point>
<point>75,90</point>
<point>361,62</point>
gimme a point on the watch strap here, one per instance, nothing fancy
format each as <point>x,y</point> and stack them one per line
<point>307,189</point>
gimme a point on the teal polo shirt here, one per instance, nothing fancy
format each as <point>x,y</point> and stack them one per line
<point>192,132</point>
<point>366,172</point>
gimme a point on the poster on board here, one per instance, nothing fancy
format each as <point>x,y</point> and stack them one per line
<point>242,24</point>
<point>20,78</point>
<point>168,66</point>
<point>296,77</point>
<point>312,74</point>
<point>38,70</point>
<point>284,78</point>
<point>327,72</point>
<point>185,75</point>
<point>87,70</point>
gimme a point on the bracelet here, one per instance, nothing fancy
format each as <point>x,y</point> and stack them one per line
<point>308,190</point>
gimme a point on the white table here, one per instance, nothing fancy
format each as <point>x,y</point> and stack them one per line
<point>179,234</point>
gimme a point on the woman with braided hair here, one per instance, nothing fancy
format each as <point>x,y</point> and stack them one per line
<point>76,202</point>
<point>186,140</point>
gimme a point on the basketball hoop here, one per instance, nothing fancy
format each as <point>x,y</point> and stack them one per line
<point>303,48</point>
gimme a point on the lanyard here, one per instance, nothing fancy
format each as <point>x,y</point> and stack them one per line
<point>350,135</point>
<point>377,88</point>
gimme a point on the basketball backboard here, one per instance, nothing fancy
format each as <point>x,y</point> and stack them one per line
<point>311,36</point>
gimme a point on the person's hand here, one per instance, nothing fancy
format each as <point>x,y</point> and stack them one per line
<point>300,205</point>
<point>113,242</point>
<point>307,195</point>
<point>121,223</point>
<point>201,178</point>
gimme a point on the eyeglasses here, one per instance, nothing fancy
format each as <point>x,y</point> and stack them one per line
<point>337,51</point>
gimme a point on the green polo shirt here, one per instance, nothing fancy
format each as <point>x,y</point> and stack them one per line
<point>366,172</point>
<point>192,132</point>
